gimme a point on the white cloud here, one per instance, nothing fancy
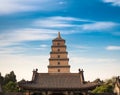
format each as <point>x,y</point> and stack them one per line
<point>22,49</point>
<point>17,36</point>
<point>12,6</point>
<point>57,21</point>
<point>43,46</point>
<point>53,24</point>
<point>10,50</point>
<point>98,25</point>
<point>70,22</point>
<point>113,2</point>
<point>48,27</point>
<point>61,18</point>
<point>113,47</point>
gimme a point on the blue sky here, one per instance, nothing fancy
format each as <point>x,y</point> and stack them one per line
<point>91,30</point>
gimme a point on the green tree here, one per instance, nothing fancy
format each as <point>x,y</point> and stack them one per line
<point>106,86</point>
<point>10,77</point>
<point>11,87</point>
<point>103,88</point>
<point>1,79</point>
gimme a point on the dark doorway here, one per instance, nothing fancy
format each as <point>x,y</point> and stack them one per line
<point>36,94</point>
<point>80,94</point>
<point>57,94</point>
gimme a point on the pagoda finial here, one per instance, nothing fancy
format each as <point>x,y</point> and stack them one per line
<point>59,35</point>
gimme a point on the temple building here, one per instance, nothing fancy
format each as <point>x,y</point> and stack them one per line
<point>59,80</point>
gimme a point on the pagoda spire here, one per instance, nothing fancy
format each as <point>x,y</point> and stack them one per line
<point>59,36</point>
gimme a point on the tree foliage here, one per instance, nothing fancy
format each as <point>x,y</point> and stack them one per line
<point>1,79</point>
<point>11,87</point>
<point>106,86</point>
<point>103,88</point>
<point>9,82</point>
<point>10,77</point>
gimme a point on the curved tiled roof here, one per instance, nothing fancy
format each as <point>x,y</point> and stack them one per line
<point>57,81</point>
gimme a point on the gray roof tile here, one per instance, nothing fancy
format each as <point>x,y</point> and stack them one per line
<point>57,81</point>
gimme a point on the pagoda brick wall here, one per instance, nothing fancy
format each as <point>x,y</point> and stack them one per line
<point>55,63</point>
<point>62,70</point>
<point>62,49</point>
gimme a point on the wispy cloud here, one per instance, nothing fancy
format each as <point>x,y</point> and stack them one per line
<point>58,21</point>
<point>61,18</point>
<point>113,47</point>
<point>43,46</point>
<point>113,2</point>
<point>73,23</point>
<point>99,26</point>
<point>11,50</point>
<point>22,35</point>
<point>46,28</point>
<point>13,6</point>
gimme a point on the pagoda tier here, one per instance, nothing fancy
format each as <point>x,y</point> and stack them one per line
<point>58,61</point>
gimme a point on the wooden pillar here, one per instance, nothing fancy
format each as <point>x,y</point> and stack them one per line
<point>49,92</point>
<point>84,93</point>
<point>70,93</point>
<point>27,93</point>
<point>44,93</point>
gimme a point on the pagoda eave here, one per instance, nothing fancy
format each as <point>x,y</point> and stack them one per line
<point>68,66</point>
<point>58,52</point>
<point>53,59</point>
<point>59,46</point>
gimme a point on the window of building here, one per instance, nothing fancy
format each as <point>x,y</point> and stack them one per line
<point>58,63</point>
<point>58,56</point>
<point>58,49</point>
<point>58,44</point>
<point>58,70</point>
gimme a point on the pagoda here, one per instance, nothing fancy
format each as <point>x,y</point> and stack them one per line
<point>59,80</point>
<point>58,62</point>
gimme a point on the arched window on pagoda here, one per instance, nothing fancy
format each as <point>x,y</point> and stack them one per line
<point>58,50</point>
<point>58,70</point>
<point>58,44</point>
<point>58,63</point>
<point>58,56</point>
